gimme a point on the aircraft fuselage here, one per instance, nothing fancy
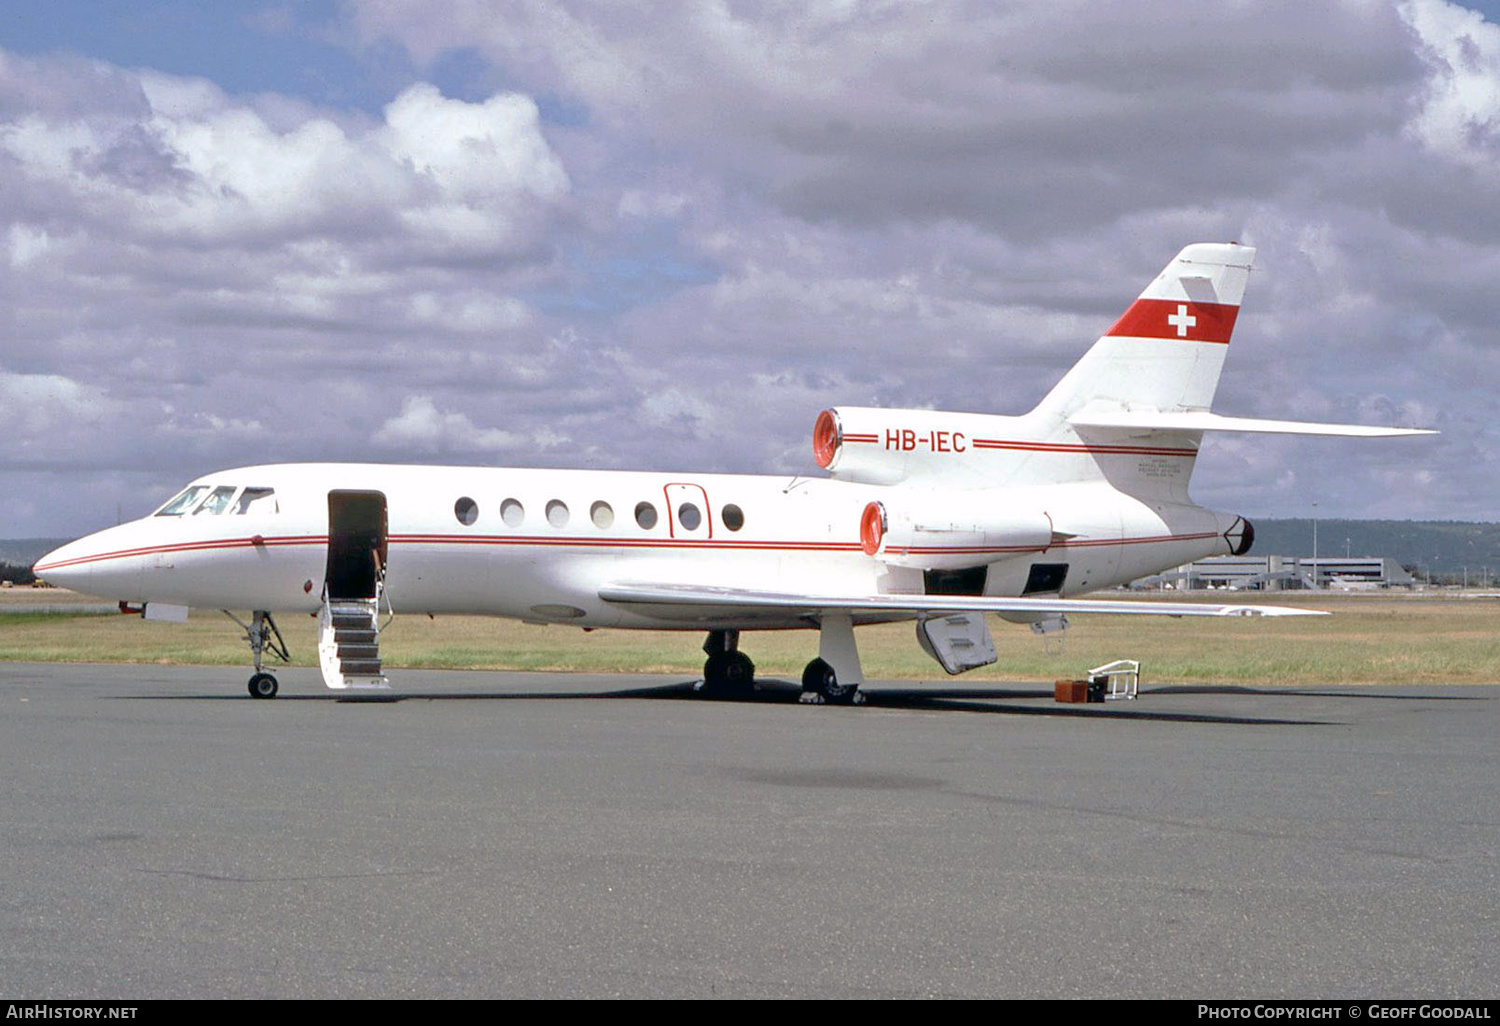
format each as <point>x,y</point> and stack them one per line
<point>537,544</point>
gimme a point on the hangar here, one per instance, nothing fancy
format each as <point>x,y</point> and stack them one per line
<point>1285,573</point>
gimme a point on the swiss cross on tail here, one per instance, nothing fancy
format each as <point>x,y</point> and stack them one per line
<point>1182,320</point>
<point>1174,319</point>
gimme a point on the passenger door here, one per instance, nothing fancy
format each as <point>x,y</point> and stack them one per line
<point>357,528</point>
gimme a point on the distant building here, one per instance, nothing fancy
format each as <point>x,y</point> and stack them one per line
<point>1285,573</point>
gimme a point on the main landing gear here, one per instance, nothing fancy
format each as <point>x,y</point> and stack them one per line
<point>831,679</point>
<point>820,686</point>
<point>728,671</point>
<point>263,636</point>
<point>835,676</point>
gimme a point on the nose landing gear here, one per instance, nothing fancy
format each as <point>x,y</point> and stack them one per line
<point>263,636</point>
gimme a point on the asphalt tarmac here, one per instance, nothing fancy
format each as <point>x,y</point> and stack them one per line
<point>545,835</point>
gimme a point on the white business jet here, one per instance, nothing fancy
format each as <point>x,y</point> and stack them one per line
<point>923,515</point>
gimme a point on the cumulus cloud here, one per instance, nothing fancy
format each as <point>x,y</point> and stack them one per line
<point>1019,118</point>
<point>422,428</point>
<point>37,404</point>
<point>198,167</point>
<point>1460,113</point>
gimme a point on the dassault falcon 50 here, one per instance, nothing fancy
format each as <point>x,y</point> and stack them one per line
<point>923,515</point>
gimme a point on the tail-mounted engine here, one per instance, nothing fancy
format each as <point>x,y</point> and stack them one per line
<point>1240,537</point>
<point>879,446</point>
<point>923,532</point>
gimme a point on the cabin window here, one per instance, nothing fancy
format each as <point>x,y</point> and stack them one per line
<point>183,501</point>
<point>557,513</point>
<point>512,512</point>
<point>732,517</point>
<point>217,501</point>
<point>466,510</point>
<point>689,517</point>
<point>602,515</point>
<point>645,515</point>
<point>257,500</point>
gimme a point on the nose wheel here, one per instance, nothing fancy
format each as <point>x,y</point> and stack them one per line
<point>263,685</point>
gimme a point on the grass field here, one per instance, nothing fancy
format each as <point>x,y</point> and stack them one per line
<point>1370,639</point>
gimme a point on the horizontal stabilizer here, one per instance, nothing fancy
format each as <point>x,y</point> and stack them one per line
<point>684,597</point>
<point>1196,420</point>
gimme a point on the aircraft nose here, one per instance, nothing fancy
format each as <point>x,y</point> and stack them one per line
<point>99,564</point>
<point>67,566</point>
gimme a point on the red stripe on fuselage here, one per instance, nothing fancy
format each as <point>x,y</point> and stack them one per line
<point>599,543</point>
<point>1087,543</point>
<point>623,543</point>
<point>1081,449</point>
<point>198,546</point>
<point>1073,448</point>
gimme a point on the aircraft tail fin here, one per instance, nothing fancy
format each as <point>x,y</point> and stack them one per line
<point>1166,351</point>
<point>1132,411</point>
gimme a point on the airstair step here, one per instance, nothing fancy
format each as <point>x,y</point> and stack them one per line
<point>349,644</point>
<point>360,667</point>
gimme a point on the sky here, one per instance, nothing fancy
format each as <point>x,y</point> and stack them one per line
<point>613,234</point>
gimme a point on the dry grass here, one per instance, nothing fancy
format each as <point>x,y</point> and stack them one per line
<point>1370,639</point>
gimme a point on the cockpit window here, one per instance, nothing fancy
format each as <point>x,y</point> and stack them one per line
<point>257,500</point>
<point>217,500</point>
<point>183,502</point>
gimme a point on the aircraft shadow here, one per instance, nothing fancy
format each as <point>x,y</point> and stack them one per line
<point>1240,689</point>
<point>957,700</point>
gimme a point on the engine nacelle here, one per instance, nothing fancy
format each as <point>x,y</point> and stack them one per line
<point>1240,536</point>
<point>881,446</point>
<point>938,533</point>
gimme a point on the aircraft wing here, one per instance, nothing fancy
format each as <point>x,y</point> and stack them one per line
<point>688,601</point>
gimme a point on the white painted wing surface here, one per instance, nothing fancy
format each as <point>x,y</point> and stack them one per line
<point>670,600</point>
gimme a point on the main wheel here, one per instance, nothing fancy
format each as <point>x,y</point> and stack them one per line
<point>729,673</point>
<point>262,685</point>
<point>819,677</point>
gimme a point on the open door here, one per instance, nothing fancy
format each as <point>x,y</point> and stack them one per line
<point>356,543</point>
<point>349,624</point>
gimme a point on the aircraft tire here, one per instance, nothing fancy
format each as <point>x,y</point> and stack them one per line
<point>262,685</point>
<point>820,678</point>
<point>729,673</point>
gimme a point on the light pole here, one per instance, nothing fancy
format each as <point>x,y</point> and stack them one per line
<point>1315,547</point>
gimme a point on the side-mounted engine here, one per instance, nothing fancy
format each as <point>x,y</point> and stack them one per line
<point>929,532</point>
